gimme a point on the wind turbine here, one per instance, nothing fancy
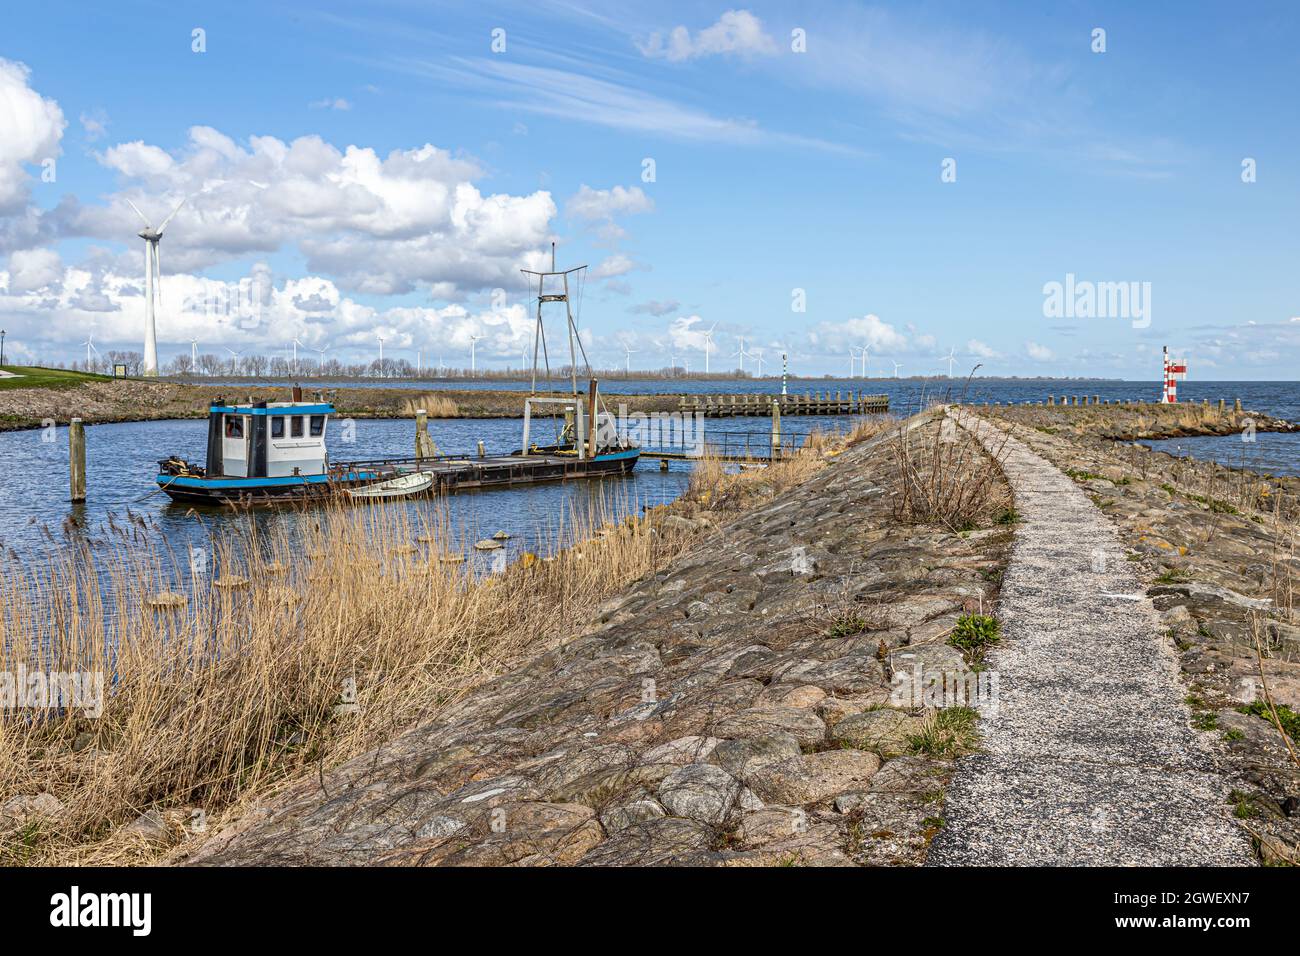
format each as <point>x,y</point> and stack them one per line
<point>233,356</point>
<point>296,343</point>
<point>741,352</point>
<point>758,357</point>
<point>629,352</point>
<point>194,356</point>
<point>853,357</point>
<point>381,355</point>
<point>708,345</point>
<point>89,346</point>
<point>320,363</point>
<point>153,283</point>
<point>473,354</point>
<point>951,358</point>
<point>896,368</point>
<point>865,349</point>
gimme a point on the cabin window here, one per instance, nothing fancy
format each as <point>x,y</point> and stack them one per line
<point>317,426</point>
<point>234,426</point>
<point>277,426</point>
<point>295,426</point>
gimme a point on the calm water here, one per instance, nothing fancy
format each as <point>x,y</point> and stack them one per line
<point>121,459</point>
<point>121,464</point>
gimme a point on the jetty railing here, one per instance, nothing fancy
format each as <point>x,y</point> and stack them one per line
<point>735,446</point>
<point>814,403</point>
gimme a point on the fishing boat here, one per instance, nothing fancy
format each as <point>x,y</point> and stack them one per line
<point>267,452</point>
<point>261,452</point>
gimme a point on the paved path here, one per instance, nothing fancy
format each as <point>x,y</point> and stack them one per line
<point>1090,759</point>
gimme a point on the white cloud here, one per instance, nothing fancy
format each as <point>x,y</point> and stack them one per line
<point>383,225</point>
<point>33,269</point>
<point>593,204</point>
<point>1039,353</point>
<point>615,265</point>
<point>868,330</point>
<point>980,349</point>
<point>31,127</point>
<point>94,124</point>
<point>687,332</point>
<point>256,314</point>
<point>330,103</point>
<point>736,32</point>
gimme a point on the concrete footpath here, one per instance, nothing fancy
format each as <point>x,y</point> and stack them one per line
<point>1090,758</point>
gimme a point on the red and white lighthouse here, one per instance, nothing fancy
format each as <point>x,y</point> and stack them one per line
<point>1173,369</point>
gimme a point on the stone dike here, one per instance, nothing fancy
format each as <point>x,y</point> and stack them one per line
<point>1216,549</point>
<point>741,707</point>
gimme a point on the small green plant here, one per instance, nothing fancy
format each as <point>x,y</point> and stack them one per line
<point>1007,516</point>
<point>1288,718</point>
<point>1205,720</point>
<point>948,732</point>
<point>846,626</point>
<point>1078,475</point>
<point>1171,576</point>
<point>1243,808</point>
<point>974,634</point>
<point>1232,733</point>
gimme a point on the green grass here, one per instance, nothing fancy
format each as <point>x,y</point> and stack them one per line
<point>973,634</point>
<point>1243,809</point>
<point>948,732</point>
<point>1289,719</point>
<point>847,626</point>
<point>37,377</point>
<point>1007,516</point>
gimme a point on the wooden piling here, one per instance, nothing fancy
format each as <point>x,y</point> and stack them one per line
<point>776,429</point>
<point>77,459</point>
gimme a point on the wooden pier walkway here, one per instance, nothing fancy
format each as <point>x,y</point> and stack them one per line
<point>817,403</point>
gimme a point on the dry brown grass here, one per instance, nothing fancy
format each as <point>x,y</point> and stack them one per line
<point>215,701</point>
<point>237,689</point>
<point>945,477</point>
<point>438,406</point>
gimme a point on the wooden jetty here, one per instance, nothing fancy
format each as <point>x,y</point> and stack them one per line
<point>816,403</point>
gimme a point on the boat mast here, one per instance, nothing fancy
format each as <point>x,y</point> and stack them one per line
<point>539,336</point>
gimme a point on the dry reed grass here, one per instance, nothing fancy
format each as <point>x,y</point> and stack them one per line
<point>322,644</point>
<point>438,406</point>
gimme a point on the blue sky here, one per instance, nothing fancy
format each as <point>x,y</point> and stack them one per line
<point>774,171</point>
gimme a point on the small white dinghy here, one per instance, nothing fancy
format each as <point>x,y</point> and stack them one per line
<point>412,484</point>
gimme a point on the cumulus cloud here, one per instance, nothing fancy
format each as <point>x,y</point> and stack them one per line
<point>615,265</point>
<point>980,349</point>
<point>737,32</point>
<point>33,269</point>
<point>379,225</point>
<point>1039,353</point>
<point>687,332</point>
<point>259,313</point>
<point>865,330</point>
<point>31,126</point>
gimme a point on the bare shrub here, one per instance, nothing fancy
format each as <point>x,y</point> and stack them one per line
<point>945,477</point>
